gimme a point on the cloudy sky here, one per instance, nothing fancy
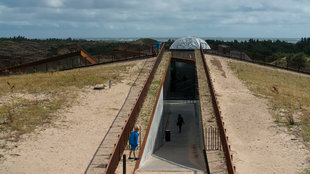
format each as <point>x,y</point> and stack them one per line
<point>154,18</point>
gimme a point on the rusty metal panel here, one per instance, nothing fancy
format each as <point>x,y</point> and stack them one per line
<point>123,138</point>
<point>83,54</point>
<point>220,124</point>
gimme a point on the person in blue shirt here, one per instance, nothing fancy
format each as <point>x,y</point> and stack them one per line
<point>133,142</point>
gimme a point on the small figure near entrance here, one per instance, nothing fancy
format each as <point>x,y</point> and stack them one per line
<point>133,142</point>
<point>180,122</point>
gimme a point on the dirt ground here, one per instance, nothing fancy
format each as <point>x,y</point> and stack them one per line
<point>68,145</point>
<point>258,144</point>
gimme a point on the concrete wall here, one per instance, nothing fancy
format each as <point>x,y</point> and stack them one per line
<point>198,113</point>
<point>150,143</point>
<point>167,82</point>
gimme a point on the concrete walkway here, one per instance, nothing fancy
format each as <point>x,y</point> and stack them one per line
<point>184,152</point>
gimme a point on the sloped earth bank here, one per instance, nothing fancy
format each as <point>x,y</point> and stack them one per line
<point>68,145</point>
<point>145,113</point>
<point>258,144</point>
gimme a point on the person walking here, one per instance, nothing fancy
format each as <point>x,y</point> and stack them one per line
<point>180,122</point>
<point>133,142</point>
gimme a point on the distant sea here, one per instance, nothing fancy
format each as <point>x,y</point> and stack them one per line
<point>164,39</point>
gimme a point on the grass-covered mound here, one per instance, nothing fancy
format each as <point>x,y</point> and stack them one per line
<point>288,93</point>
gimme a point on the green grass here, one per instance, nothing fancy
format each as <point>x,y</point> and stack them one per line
<point>306,171</point>
<point>288,93</point>
<point>154,87</point>
<point>147,107</point>
<point>48,82</point>
<point>48,93</point>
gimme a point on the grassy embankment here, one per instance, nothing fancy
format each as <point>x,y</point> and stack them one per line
<point>35,98</point>
<point>146,110</point>
<point>147,107</point>
<point>207,111</point>
<point>289,94</point>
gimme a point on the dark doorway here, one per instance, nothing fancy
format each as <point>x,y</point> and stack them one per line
<point>182,83</point>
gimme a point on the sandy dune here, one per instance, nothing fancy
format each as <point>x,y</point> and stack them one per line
<point>68,146</point>
<point>258,145</point>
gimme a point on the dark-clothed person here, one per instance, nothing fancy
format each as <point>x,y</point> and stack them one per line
<point>180,122</point>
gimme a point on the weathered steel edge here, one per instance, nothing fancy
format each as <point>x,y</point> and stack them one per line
<point>220,123</point>
<point>152,115</point>
<point>201,121</point>
<point>124,136</point>
<point>131,88</point>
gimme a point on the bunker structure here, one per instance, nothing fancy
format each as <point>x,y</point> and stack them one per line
<point>71,60</point>
<point>166,149</point>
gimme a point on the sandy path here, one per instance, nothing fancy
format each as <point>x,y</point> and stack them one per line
<point>69,146</point>
<point>258,145</point>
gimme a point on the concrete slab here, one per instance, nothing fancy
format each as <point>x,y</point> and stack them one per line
<point>184,153</point>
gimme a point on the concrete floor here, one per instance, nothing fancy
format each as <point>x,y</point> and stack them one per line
<point>184,152</point>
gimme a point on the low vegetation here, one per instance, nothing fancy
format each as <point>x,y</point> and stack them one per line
<point>148,104</point>
<point>296,55</point>
<point>288,92</point>
<point>27,101</point>
<point>19,50</point>
<point>204,94</point>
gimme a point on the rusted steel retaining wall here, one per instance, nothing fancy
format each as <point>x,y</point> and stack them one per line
<point>152,116</point>
<point>219,119</point>
<point>126,130</point>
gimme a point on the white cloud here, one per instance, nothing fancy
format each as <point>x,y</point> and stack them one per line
<point>54,3</point>
<point>157,17</point>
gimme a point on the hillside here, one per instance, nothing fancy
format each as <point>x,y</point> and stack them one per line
<point>14,51</point>
<point>58,119</point>
<point>266,115</point>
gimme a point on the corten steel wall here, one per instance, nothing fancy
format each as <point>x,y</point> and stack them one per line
<point>124,136</point>
<point>219,120</point>
<point>78,59</point>
<point>201,122</point>
<point>152,115</point>
<point>58,63</point>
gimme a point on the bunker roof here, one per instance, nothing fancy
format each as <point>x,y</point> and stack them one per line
<point>189,43</point>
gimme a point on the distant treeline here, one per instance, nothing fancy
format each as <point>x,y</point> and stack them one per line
<point>265,50</point>
<point>23,38</point>
<point>292,55</point>
<point>92,47</point>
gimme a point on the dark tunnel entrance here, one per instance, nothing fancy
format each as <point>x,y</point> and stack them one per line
<point>183,150</point>
<point>182,81</point>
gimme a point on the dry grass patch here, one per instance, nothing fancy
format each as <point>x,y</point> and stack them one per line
<point>148,104</point>
<point>27,101</point>
<point>289,94</point>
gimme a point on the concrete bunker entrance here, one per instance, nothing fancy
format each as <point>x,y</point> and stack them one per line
<point>181,82</point>
<point>184,151</point>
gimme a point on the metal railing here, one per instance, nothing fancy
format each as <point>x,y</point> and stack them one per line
<point>219,119</point>
<point>212,139</point>
<point>124,136</point>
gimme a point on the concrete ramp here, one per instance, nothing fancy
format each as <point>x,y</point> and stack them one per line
<point>184,153</point>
